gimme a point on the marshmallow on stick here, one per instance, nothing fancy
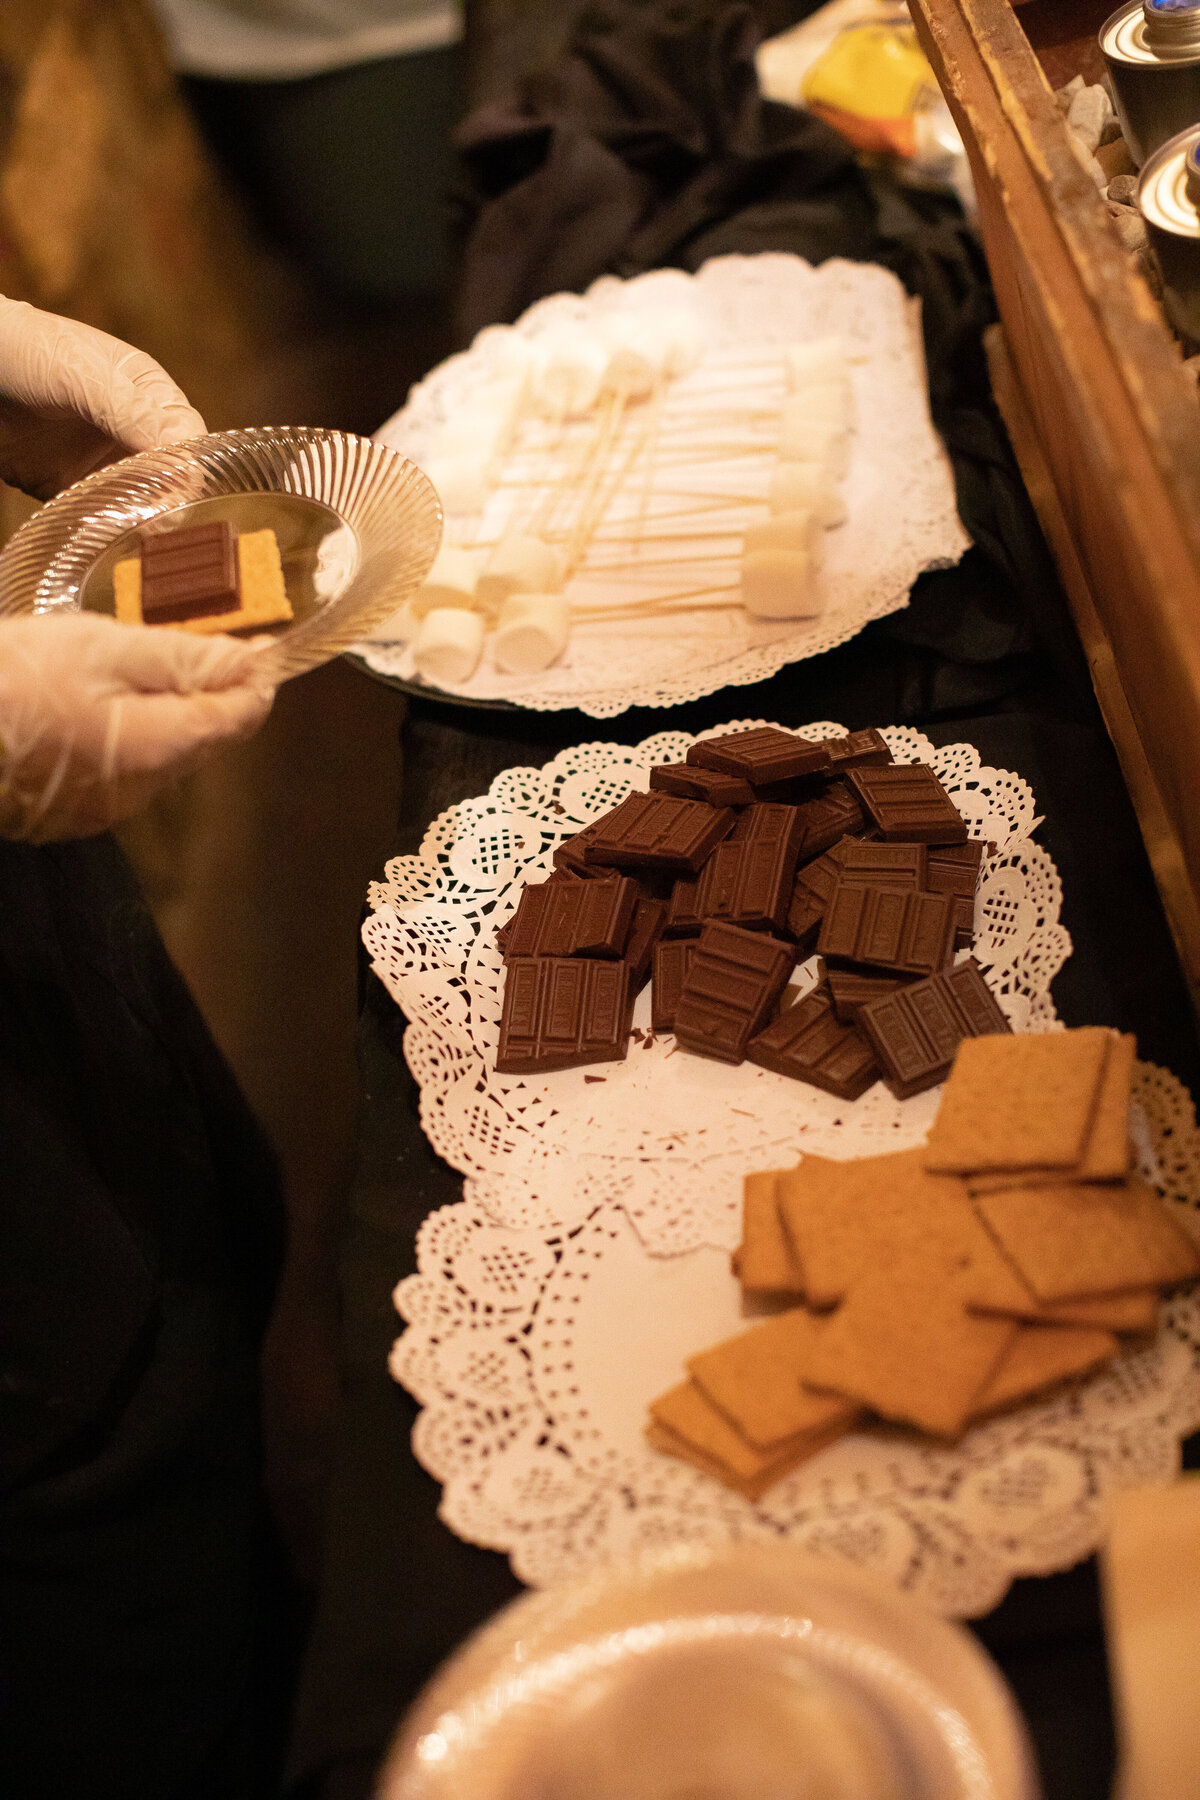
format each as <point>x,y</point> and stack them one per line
<point>816,441</point>
<point>821,359</point>
<point>520,564</point>
<point>780,584</point>
<point>531,632</point>
<point>807,487</point>
<point>448,646</point>
<point>450,583</point>
<point>568,371</point>
<point>461,481</point>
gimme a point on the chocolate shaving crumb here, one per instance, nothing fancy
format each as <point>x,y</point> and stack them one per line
<point>595,1078</point>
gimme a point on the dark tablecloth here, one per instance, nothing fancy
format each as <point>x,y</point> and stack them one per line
<point>400,1591</point>
<point>985,652</point>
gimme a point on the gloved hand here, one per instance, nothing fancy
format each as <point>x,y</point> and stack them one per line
<point>73,398</point>
<point>95,717</point>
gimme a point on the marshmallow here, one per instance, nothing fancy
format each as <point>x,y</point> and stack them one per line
<point>448,646</point>
<point>683,333</point>
<point>816,441</point>
<point>807,487</point>
<point>797,530</point>
<point>461,481</point>
<point>484,424</point>
<point>822,359</point>
<point>826,404</point>
<point>450,582</point>
<point>505,350</point>
<point>337,562</point>
<point>531,632</point>
<point>569,368</point>
<point>520,564</point>
<point>780,584</point>
<point>637,353</point>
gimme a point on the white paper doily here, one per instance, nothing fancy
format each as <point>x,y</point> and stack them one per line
<point>534,1355</point>
<point>899,490</point>
<point>589,1256</point>
<point>668,1135</point>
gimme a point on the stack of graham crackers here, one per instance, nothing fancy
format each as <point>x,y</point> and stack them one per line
<point>934,1287</point>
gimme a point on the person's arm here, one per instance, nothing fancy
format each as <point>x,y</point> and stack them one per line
<point>96,716</point>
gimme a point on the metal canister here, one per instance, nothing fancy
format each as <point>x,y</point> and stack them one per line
<point>1168,195</point>
<point>1152,48</point>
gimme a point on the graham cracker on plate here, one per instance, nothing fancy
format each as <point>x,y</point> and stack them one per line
<point>1072,1241</point>
<point>765,1261</point>
<point>1106,1154</point>
<point>685,1424</point>
<point>755,1380</point>
<point>1018,1102</point>
<point>910,1350</point>
<point>1040,1357</point>
<point>264,600</point>
<point>845,1217</point>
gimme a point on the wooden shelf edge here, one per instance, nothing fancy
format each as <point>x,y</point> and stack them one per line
<point>1162,844</point>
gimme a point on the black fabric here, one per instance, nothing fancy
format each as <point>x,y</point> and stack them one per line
<point>140,1235</point>
<point>632,151</point>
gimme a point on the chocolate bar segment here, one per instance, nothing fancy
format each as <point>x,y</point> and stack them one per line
<point>189,573</point>
<point>916,1031</point>
<point>764,754</point>
<point>563,1013</point>
<point>644,934</point>
<point>572,918</point>
<point>850,988</point>
<point>692,783</point>
<point>887,928</point>
<point>809,1043</point>
<point>833,815</point>
<point>733,984</point>
<point>811,894</point>
<point>954,869</point>
<point>907,801</point>
<point>858,750</point>
<point>884,865</point>
<point>747,880</point>
<point>658,831</point>
<point>672,960</point>
<point>570,858</point>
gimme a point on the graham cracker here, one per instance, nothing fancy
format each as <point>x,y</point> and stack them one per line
<point>1018,1102</point>
<point>1134,1311</point>
<point>844,1217</point>
<point>1106,1154</point>
<point>765,1260</point>
<point>684,1424</point>
<point>1039,1357</point>
<point>910,1350</point>
<point>755,1380</point>
<point>1073,1241</point>
<point>264,598</point>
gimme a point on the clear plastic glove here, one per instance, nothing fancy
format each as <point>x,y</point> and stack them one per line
<point>73,399</point>
<point>95,717</point>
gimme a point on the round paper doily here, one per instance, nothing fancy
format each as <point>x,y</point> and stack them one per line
<point>590,1254</point>
<point>668,1135</point>
<point>899,490</point>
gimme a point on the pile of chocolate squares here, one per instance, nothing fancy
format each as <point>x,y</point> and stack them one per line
<point>740,862</point>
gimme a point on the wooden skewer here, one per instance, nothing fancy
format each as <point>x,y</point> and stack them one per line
<point>666,608</point>
<point>636,607</point>
<point>634,564</point>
